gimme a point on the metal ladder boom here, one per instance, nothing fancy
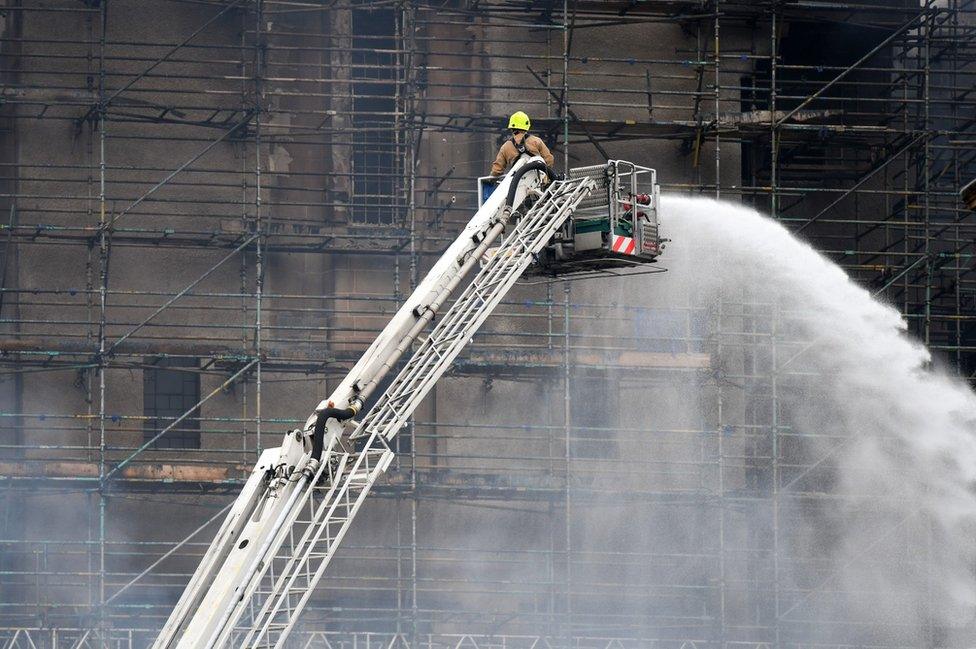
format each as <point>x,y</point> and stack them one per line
<point>270,611</point>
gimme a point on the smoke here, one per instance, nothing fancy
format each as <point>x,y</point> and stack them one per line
<point>862,455</point>
<point>816,478</point>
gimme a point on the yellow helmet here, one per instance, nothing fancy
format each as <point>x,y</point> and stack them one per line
<point>520,121</point>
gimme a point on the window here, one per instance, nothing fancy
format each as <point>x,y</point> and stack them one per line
<point>170,389</point>
<point>375,150</point>
<point>810,55</point>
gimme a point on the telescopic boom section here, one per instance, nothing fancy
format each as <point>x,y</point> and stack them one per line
<point>282,532</point>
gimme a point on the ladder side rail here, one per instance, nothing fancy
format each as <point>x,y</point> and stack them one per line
<point>512,266</point>
<point>420,358</point>
<point>287,558</point>
<point>502,270</point>
<point>212,559</point>
<point>473,307</point>
<point>364,462</point>
<point>442,355</point>
<point>260,563</point>
<point>461,256</point>
<point>278,549</point>
<point>354,470</point>
<point>441,274</point>
<point>329,473</point>
<point>454,325</point>
<point>356,485</point>
<point>450,317</point>
<point>279,525</point>
<point>447,316</point>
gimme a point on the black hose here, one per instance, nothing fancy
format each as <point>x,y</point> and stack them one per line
<point>318,433</point>
<point>524,169</point>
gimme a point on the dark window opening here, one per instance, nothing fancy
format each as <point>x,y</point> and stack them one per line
<point>170,389</point>
<point>374,151</point>
<point>810,55</point>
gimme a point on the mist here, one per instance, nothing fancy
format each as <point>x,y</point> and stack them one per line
<point>837,463</point>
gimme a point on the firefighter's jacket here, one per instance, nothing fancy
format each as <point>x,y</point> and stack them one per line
<point>508,153</point>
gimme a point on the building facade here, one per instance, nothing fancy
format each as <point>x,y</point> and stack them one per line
<point>210,208</point>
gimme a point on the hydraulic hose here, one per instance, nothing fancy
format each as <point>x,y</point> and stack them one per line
<point>318,433</point>
<point>537,165</point>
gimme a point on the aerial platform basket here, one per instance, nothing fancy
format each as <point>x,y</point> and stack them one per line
<point>615,228</point>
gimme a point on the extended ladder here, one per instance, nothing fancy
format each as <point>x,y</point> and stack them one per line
<point>307,542</point>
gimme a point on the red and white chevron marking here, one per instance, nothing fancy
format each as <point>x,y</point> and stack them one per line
<point>624,245</point>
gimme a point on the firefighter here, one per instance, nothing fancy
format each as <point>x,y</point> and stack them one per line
<point>520,142</point>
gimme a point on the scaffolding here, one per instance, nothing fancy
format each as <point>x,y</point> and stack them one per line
<point>242,191</point>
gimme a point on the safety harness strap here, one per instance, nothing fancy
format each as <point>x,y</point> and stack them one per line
<point>520,147</point>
